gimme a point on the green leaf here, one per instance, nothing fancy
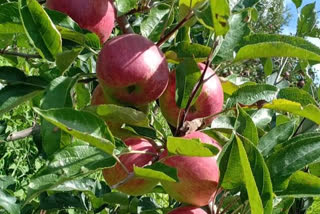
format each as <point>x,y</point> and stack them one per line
<point>152,26</point>
<point>283,206</point>
<point>243,4</point>
<point>220,12</point>
<point>250,183</point>
<point>57,96</point>
<point>122,114</point>
<point>309,111</point>
<point>62,20</point>
<point>246,127</point>
<point>13,95</point>
<point>124,6</point>
<point>73,161</point>
<point>9,203</point>
<point>187,147</point>
<point>297,3</point>
<point>307,20</point>
<point>296,95</point>
<point>294,156</point>
<point>250,94</point>
<point>302,184</point>
<point>268,45</point>
<point>83,95</point>
<point>157,171</point>
<point>11,74</point>
<point>41,31</point>
<point>231,42</point>
<point>276,136</point>
<point>82,125</point>
<point>267,66</point>
<point>187,76</point>
<point>66,58</point>
<point>204,16</point>
<point>10,19</point>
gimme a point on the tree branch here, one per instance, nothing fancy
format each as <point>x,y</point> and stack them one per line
<point>179,25</point>
<point>24,55</point>
<point>124,24</point>
<point>24,133</point>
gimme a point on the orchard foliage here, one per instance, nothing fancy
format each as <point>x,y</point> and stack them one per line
<point>264,140</point>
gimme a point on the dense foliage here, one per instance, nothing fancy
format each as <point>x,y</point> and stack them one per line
<point>68,135</point>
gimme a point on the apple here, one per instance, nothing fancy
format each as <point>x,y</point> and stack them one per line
<point>132,70</point>
<point>198,176</point>
<point>97,16</point>
<point>187,210</point>
<point>209,102</point>
<point>135,186</point>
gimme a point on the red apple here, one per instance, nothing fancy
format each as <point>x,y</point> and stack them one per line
<point>115,174</point>
<point>97,16</point>
<point>132,69</point>
<point>209,102</point>
<point>187,210</point>
<point>198,176</point>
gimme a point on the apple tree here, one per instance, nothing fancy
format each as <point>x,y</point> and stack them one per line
<point>136,106</point>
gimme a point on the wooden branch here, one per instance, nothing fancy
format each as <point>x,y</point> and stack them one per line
<point>24,55</point>
<point>24,133</point>
<point>124,24</point>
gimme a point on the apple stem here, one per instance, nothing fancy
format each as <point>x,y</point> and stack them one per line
<point>185,112</point>
<point>124,181</point>
<point>179,25</point>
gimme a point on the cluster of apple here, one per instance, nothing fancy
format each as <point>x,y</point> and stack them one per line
<point>132,71</point>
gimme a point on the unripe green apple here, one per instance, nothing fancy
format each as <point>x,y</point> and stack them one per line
<point>97,16</point>
<point>198,176</point>
<point>116,174</point>
<point>209,102</point>
<point>187,210</point>
<point>132,69</point>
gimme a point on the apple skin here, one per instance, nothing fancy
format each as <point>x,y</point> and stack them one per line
<point>209,102</point>
<point>187,210</point>
<point>132,70</point>
<point>115,174</point>
<point>97,16</point>
<point>198,176</point>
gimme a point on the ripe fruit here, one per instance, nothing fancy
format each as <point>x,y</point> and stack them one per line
<point>97,16</point>
<point>132,70</point>
<point>198,176</point>
<point>188,210</point>
<point>115,174</point>
<point>208,103</point>
<point>301,83</point>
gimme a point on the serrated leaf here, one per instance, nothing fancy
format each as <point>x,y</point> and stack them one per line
<point>294,156</point>
<point>41,31</point>
<point>276,136</point>
<point>122,114</point>
<point>71,162</point>
<point>66,58</point>
<point>296,95</point>
<point>187,76</point>
<point>9,203</point>
<point>250,94</point>
<point>13,95</point>
<point>309,111</point>
<point>267,45</point>
<point>157,171</point>
<point>220,12</point>
<point>82,125</point>
<point>187,147</point>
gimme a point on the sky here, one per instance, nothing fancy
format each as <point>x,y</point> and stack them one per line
<point>292,26</point>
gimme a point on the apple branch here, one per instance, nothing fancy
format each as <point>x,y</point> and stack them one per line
<point>185,112</point>
<point>179,25</point>
<point>124,24</point>
<point>24,133</point>
<point>24,55</point>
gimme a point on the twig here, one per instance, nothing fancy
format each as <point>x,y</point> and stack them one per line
<point>179,25</point>
<point>124,24</point>
<point>24,133</point>
<point>24,55</point>
<point>281,70</point>
<point>167,21</point>
<point>88,80</point>
<point>124,181</point>
<point>195,90</point>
